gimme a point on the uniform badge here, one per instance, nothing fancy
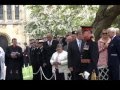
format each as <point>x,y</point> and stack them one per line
<point>86,47</point>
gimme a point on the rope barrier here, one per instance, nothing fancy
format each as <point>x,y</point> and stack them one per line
<point>42,73</point>
<point>37,71</point>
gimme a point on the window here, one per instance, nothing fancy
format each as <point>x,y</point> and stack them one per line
<point>9,12</point>
<point>1,12</point>
<point>16,12</point>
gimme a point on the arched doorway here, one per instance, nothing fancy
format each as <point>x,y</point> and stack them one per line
<point>3,42</point>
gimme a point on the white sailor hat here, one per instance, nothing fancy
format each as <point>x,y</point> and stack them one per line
<point>41,41</point>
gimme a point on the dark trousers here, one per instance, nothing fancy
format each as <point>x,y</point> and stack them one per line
<point>47,70</point>
<point>35,70</point>
<point>37,76</point>
<point>76,76</point>
<point>59,76</point>
<point>113,72</point>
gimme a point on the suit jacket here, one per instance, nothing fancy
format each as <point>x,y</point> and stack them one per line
<point>50,50</point>
<point>65,47</point>
<point>114,58</point>
<point>41,56</point>
<point>74,56</point>
<point>26,56</point>
<point>114,52</point>
<point>32,55</point>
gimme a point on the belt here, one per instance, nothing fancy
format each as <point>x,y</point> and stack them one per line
<point>87,61</point>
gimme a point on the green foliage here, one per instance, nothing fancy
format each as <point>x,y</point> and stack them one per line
<point>59,19</point>
<point>116,22</point>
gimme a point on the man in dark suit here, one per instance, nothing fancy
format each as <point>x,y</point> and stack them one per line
<point>74,55</point>
<point>35,61</point>
<point>41,55</point>
<point>50,45</point>
<point>114,55</point>
<point>32,55</point>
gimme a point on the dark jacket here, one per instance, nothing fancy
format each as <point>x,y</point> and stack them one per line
<point>74,56</point>
<point>50,50</point>
<point>14,66</point>
<point>114,58</point>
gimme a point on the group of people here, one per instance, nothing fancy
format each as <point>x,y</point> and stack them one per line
<point>74,57</point>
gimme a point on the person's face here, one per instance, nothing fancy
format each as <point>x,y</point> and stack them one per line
<point>45,38</point>
<point>33,43</point>
<point>87,35</point>
<point>73,36</point>
<point>49,37</point>
<point>36,43</point>
<point>40,44</point>
<point>59,49</point>
<point>80,36</point>
<point>69,40</point>
<point>14,42</point>
<point>111,34</point>
<point>104,34</point>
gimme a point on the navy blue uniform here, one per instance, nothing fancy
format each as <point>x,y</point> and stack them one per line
<point>114,58</point>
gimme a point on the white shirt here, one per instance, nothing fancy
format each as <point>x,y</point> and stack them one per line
<point>79,43</point>
<point>2,63</point>
<point>113,37</point>
<point>50,42</point>
<point>62,59</point>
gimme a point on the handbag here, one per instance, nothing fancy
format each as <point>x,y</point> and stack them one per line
<point>27,72</point>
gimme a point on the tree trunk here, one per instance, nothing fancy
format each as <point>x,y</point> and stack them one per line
<point>104,18</point>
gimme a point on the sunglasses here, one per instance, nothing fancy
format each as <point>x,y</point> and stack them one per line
<point>104,33</point>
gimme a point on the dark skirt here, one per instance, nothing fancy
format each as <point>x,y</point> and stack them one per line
<point>59,76</point>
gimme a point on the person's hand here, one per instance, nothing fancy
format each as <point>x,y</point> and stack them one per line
<point>54,63</point>
<point>106,46</point>
<point>58,63</point>
<point>71,69</point>
<point>44,64</point>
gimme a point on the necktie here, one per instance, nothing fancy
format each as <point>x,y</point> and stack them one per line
<point>79,45</point>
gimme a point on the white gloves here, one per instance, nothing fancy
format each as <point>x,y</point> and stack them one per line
<point>86,75</point>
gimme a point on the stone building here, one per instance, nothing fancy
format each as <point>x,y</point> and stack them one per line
<point>12,22</point>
